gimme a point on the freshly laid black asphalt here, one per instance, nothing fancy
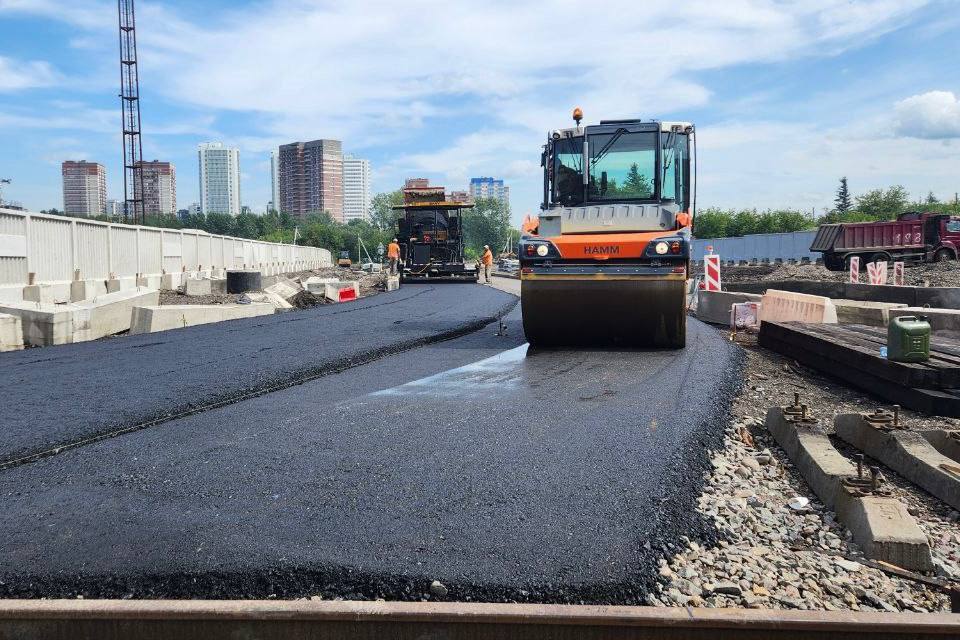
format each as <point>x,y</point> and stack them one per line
<point>554,476</point>
<point>61,395</point>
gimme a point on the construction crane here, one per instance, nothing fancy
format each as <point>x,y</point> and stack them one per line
<point>130,107</point>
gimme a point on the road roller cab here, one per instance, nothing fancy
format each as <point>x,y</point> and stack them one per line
<point>606,261</point>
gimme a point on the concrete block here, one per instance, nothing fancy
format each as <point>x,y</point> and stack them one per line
<point>49,292</point>
<point>44,324</point>
<point>714,306</point>
<point>906,452</point>
<point>886,531</point>
<point>393,283</point>
<point>149,319</point>
<point>11,333</point>
<point>939,319</point>
<point>880,524</point>
<point>342,291</point>
<point>218,285</point>
<point>786,306</point>
<point>171,281</point>
<point>87,289</point>
<point>125,283</point>
<point>285,288</point>
<point>150,281</point>
<point>317,285</point>
<point>194,287</point>
<point>275,299</point>
<point>112,313</point>
<point>875,314</point>
<point>946,442</point>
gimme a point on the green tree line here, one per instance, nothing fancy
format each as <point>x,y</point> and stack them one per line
<point>874,205</point>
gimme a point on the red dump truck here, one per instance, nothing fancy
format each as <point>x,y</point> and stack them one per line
<point>912,237</point>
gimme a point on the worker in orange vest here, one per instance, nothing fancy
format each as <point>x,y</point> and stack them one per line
<point>486,262</point>
<point>393,255</point>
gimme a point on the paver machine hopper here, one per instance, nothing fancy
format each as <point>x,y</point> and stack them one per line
<point>606,262</point>
<point>430,235</point>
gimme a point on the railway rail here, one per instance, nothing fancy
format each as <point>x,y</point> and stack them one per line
<point>272,620</point>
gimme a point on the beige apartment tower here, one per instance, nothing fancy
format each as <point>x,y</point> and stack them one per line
<point>84,188</point>
<point>311,178</point>
<point>159,188</point>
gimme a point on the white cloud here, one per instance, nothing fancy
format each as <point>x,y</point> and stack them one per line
<point>934,115</point>
<point>380,73</point>
<point>16,75</point>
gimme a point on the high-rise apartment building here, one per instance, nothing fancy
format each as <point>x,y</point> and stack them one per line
<point>219,178</point>
<point>274,181</point>
<point>114,209</point>
<point>84,188</point>
<point>356,188</point>
<point>159,188</point>
<point>489,188</point>
<point>311,178</point>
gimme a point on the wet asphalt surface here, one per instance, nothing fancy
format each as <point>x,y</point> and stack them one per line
<point>554,476</point>
<point>60,395</point>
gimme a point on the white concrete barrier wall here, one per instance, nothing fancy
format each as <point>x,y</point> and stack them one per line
<point>53,247</point>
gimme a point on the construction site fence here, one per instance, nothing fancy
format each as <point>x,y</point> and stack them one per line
<point>54,248</point>
<point>761,247</point>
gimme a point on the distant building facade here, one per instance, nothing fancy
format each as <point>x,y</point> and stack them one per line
<point>460,196</point>
<point>311,178</point>
<point>84,188</point>
<point>356,188</point>
<point>159,188</point>
<point>274,181</point>
<point>489,188</point>
<point>115,208</point>
<point>219,178</point>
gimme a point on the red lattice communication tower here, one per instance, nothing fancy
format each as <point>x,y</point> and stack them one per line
<point>130,104</point>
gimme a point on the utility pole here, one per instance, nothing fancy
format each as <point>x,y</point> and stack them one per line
<point>130,106</point>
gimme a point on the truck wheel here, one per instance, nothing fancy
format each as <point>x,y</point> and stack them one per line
<point>943,255</point>
<point>880,257</point>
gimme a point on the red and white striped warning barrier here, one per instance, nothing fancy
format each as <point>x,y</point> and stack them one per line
<point>898,278</point>
<point>711,272</point>
<point>877,271</point>
<point>855,269</point>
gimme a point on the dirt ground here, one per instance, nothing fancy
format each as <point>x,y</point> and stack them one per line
<point>935,274</point>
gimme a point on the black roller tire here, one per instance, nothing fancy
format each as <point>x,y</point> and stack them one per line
<point>943,255</point>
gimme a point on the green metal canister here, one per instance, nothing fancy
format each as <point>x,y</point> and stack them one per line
<point>908,339</point>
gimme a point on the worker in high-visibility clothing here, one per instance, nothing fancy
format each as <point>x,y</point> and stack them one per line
<point>486,263</point>
<point>393,256</point>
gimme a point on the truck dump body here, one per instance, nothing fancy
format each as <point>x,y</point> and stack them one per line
<point>913,236</point>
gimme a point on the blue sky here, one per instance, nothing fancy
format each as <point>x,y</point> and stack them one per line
<point>787,96</point>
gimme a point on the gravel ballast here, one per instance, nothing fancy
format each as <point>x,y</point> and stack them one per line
<point>773,556</point>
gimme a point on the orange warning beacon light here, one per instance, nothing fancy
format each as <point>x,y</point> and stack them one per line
<point>577,115</point>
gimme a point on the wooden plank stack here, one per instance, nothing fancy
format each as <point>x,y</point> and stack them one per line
<point>852,353</point>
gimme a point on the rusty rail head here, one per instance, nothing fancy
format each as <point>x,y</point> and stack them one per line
<point>268,620</point>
